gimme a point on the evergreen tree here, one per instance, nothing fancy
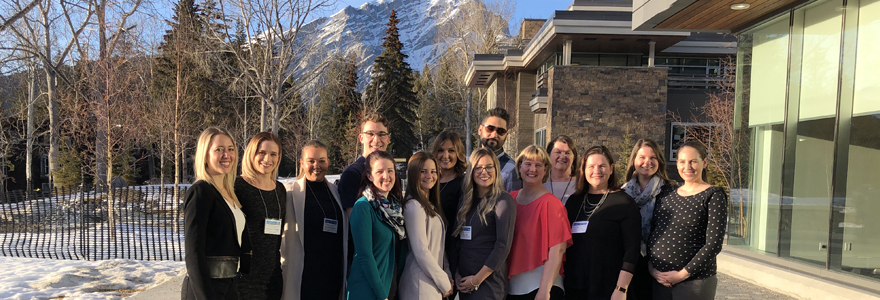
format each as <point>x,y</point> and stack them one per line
<point>390,92</point>
<point>339,107</point>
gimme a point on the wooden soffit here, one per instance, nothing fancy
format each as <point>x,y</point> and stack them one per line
<point>717,14</point>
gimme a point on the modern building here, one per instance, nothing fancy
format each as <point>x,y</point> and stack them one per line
<point>585,73</point>
<point>808,107</point>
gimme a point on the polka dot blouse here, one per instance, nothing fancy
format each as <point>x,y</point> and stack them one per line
<point>688,231</point>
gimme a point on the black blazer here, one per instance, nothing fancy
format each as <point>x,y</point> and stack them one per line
<point>208,230</point>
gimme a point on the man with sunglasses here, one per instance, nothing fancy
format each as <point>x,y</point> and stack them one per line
<point>493,133</point>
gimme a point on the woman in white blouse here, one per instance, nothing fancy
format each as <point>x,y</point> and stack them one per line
<point>426,272</point>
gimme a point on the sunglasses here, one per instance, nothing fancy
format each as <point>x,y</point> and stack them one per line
<point>499,130</point>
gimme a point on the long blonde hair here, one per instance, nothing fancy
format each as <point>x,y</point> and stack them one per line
<point>247,163</point>
<point>468,190</point>
<point>201,163</point>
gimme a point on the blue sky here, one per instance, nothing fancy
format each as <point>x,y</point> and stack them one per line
<point>525,9</point>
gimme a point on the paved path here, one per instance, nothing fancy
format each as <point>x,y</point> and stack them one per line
<point>729,288</point>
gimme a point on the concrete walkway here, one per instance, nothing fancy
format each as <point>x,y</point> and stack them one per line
<point>729,288</point>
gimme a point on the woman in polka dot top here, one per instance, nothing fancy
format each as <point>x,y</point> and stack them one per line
<point>688,229</point>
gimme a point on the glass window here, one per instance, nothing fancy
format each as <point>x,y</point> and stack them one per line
<point>762,65</point>
<point>818,27</point>
<point>541,136</point>
<point>861,241</point>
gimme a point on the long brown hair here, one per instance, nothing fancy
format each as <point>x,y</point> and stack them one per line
<point>582,184</point>
<point>430,199</point>
<point>661,161</point>
<point>469,191</point>
<point>395,194</point>
<point>446,135</point>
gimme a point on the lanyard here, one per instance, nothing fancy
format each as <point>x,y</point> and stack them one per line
<point>319,202</point>
<point>276,202</point>
<point>563,192</point>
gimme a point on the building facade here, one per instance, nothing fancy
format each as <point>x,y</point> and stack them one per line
<point>808,109</point>
<point>584,72</point>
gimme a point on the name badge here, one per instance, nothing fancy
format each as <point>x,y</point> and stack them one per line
<point>466,233</point>
<point>330,225</point>
<point>273,226</point>
<point>579,226</point>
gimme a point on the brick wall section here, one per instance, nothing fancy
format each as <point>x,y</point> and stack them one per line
<point>597,105</point>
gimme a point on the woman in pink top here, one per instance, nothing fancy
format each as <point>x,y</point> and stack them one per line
<point>541,234</point>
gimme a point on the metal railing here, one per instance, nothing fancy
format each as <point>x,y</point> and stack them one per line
<point>139,222</point>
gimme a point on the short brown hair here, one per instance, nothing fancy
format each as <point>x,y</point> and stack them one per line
<point>375,118</point>
<point>613,183</point>
<point>533,152</point>
<point>568,141</point>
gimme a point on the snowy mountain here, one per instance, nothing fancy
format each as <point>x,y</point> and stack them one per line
<point>358,32</point>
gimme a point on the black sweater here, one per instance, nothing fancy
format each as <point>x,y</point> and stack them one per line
<point>610,244</point>
<point>208,230</point>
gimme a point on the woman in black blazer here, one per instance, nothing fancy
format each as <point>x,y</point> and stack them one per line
<point>213,221</point>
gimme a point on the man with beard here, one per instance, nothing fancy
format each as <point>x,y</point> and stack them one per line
<point>493,133</point>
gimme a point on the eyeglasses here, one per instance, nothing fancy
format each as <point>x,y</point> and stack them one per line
<point>490,129</point>
<point>371,134</point>
<point>488,169</point>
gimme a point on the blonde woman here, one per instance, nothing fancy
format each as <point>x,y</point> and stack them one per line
<point>426,271</point>
<point>262,201</point>
<point>315,240</point>
<point>213,220</point>
<point>484,231</point>
<point>541,234</point>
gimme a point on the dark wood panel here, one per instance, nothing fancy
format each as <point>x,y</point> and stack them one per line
<point>717,15</point>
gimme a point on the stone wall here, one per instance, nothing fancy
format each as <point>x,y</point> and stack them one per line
<point>599,105</point>
<point>529,28</point>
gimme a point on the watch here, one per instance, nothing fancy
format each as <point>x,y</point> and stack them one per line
<point>620,288</point>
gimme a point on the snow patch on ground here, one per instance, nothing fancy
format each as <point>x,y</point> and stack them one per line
<point>30,278</point>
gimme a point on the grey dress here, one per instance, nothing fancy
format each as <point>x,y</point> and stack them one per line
<point>489,246</point>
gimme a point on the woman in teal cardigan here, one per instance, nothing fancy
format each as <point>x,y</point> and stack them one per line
<point>376,226</point>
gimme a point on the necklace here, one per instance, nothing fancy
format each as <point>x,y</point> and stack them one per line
<point>594,207</point>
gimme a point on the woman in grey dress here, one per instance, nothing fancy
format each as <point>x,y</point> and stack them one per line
<point>484,231</point>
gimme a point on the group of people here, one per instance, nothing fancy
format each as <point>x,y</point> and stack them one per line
<point>545,225</point>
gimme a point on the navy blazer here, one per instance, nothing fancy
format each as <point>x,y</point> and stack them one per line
<point>209,230</point>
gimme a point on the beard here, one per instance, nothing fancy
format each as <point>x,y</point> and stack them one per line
<point>492,144</point>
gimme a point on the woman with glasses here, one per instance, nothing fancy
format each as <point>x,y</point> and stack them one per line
<point>484,231</point>
<point>645,178</point>
<point>315,241</point>
<point>541,233</point>
<point>605,229</point>
<point>213,221</point>
<point>377,226</point>
<point>689,226</point>
<point>563,171</point>
<point>426,272</point>
<point>263,202</point>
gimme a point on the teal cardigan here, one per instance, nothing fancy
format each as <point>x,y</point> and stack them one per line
<point>373,264</point>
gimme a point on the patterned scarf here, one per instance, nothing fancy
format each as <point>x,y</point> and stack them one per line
<point>645,200</point>
<point>389,212</point>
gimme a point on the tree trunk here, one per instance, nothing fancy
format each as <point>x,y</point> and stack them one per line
<point>54,124</point>
<point>467,126</point>
<point>262,115</point>
<point>276,117</point>
<point>29,157</point>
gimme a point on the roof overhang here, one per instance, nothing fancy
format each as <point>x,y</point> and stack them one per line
<point>705,16</point>
<point>597,36</point>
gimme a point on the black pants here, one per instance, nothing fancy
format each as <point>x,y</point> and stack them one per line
<point>224,288</point>
<point>556,293</point>
<point>697,289</point>
<point>641,286</point>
